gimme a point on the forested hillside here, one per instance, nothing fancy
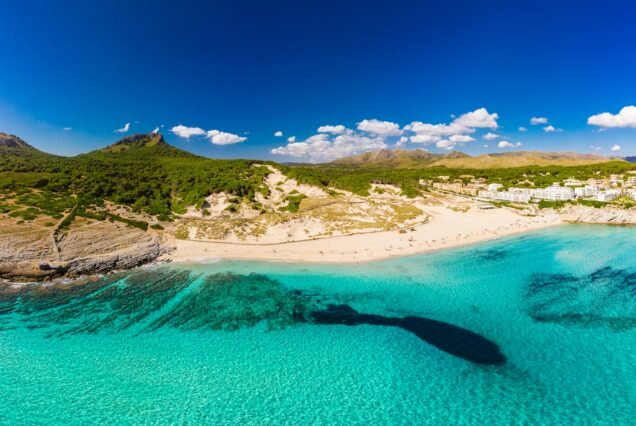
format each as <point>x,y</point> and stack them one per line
<point>142,171</point>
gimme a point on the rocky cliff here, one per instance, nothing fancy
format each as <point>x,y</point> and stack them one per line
<point>606,215</point>
<point>33,255</point>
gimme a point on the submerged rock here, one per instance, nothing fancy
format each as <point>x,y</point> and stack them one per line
<point>148,300</point>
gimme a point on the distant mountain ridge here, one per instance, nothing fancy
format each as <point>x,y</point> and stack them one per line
<point>418,158</point>
<point>400,158</point>
<point>12,141</point>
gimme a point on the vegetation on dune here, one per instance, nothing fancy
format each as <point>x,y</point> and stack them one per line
<point>359,179</point>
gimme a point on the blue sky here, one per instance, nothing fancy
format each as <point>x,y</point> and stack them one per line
<point>235,72</point>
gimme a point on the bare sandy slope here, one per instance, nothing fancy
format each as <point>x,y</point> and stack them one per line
<point>446,228</point>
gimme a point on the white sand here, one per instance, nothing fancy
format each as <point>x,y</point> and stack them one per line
<point>446,228</point>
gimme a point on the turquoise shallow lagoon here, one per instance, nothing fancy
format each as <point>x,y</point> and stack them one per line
<point>236,343</point>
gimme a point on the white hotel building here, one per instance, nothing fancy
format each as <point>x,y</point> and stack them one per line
<point>586,191</point>
<point>554,193</point>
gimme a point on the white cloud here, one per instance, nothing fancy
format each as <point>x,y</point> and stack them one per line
<point>445,144</point>
<point>461,138</point>
<point>327,147</point>
<point>456,131</point>
<point>222,138</point>
<point>156,130</point>
<point>424,138</point>
<point>626,117</point>
<point>506,144</point>
<point>336,141</point>
<point>523,129</point>
<point>123,129</point>
<point>490,136</point>
<point>67,129</point>
<point>186,132</point>
<point>278,134</point>
<point>538,120</point>
<point>480,119</point>
<point>380,128</point>
<point>486,146</point>
<point>550,128</point>
<point>336,130</point>
<point>616,148</point>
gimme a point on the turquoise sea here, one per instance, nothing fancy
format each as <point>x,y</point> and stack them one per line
<point>535,329</point>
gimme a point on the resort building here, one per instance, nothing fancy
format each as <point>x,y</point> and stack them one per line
<point>586,191</point>
<point>514,195</point>
<point>554,193</point>
<point>608,195</point>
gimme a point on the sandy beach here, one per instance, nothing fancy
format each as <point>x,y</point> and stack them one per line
<point>446,228</point>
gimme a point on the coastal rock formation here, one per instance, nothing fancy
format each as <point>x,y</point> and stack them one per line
<point>606,215</point>
<point>35,255</point>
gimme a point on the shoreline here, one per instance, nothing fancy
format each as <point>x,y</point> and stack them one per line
<point>447,229</point>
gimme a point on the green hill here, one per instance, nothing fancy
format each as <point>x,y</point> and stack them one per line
<point>142,171</point>
<point>138,146</point>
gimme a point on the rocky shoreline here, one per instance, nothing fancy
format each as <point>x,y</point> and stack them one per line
<point>100,249</point>
<point>591,215</point>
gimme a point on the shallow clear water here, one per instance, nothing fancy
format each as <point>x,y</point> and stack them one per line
<point>198,345</point>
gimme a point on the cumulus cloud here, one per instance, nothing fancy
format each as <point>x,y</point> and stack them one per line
<point>328,147</point>
<point>616,148</point>
<point>480,119</point>
<point>550,128</point>
<point>506,144</point>
<point>461,138</point>
<point>538,120</point>
<point>187,132</point>
<point>626,117</point>
<point>380,128</point>
<point>336,130</point>
<point>218,137</point>
<point>455,132</point>
<point>335,141</point>
<point>123,129</point>
<point>523,129</point>
<point>278,134</point>
<point>156,130</point>
<point>490,136</point>
<point>445,144</point>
